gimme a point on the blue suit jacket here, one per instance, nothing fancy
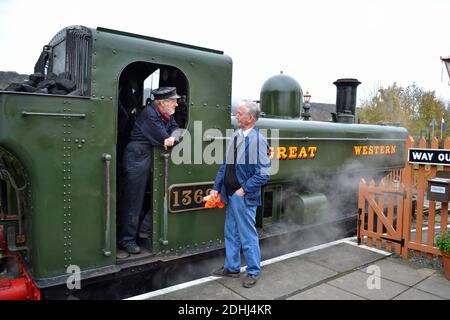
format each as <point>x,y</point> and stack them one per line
<point>252,167</point>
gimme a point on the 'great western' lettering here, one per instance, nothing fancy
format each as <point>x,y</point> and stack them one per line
<point>429,156</point>
<point>292,152</point>
<point>374,150</point>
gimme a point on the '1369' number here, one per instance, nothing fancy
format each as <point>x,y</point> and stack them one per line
<point>190,197</point>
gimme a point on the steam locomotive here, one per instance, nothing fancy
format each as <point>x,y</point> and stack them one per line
<point>61,144</point>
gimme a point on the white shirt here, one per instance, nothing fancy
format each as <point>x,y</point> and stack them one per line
<point>245,132</point>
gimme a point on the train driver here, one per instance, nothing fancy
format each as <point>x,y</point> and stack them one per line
<point>155,126</point>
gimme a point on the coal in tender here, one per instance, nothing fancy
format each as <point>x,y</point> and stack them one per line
<point>52,84</point>
<point>49,84</point>
<point>16,87</point>
<point>36,78</point>
<point>65,84</point>
<point>57,91</point>
<point>28,88</point>
<point>30,83</point>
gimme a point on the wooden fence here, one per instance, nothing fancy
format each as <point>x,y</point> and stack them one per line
<point>387,210</point>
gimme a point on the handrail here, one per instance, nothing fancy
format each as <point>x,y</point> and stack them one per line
<point>52,114</point>
<point>107,160</point>
<point>212,138</point>
<point>164,240</point>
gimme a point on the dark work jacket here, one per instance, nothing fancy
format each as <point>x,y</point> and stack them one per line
<point>151,127</point>
<point>252,167</point>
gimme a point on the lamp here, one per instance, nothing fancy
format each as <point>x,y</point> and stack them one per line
<point>306,98</point>
<point>447,65</point>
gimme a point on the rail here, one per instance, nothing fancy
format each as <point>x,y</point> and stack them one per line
<point>164,240</point>
<point>52,114</point>
<point>212,138</point>
<point>107,161</point>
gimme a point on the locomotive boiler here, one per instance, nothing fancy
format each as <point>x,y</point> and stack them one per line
<point>61,142</point>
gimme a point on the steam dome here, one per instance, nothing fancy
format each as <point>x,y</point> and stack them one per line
<point>281,96</point>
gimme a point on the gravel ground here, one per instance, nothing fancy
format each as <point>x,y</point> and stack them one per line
<point>421,260</point>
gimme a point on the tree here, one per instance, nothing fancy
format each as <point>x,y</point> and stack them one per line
<point>411,107</point>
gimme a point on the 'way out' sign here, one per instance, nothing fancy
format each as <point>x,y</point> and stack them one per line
<point>429,156</point>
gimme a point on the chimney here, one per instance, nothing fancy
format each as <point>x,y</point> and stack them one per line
<point>346,99</point>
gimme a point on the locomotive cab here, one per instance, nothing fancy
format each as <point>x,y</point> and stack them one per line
<point>136,82</point>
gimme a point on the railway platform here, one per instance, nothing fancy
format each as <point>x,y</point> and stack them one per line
<point>339,270</point>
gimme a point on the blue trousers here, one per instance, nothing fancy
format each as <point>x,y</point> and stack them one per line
<point>240,230</point>
<point>137,162</point>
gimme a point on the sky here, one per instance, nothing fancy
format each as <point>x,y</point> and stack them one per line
<point>378,42</point>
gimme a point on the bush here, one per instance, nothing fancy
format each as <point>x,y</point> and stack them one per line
<point>443,242</point>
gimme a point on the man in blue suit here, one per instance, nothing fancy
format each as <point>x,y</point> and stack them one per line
<point>239,181</point>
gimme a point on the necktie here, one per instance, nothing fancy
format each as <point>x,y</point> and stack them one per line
<point>237,144</point>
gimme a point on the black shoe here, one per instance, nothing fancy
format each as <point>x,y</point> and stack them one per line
<point>222,272</point>
<point>132,248</point>
<point>250,281</point>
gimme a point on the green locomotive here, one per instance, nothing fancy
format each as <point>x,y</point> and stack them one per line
<point>59,154</point>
